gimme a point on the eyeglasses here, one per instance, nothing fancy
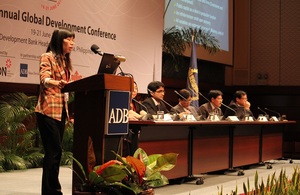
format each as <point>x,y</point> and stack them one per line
<point>160,91</point>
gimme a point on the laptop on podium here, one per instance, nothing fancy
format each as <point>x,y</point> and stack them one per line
<point>108,64</point>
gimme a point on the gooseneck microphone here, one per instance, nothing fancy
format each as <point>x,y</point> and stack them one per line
<point>279,115</point>
<point>203,96</point>
<point>221,103</point>
<point>96,49</point>
<point>140,104</point>
<point>180,95</point>
<point>177,114</point>
<point>148,116</point>
<point>266,114</point>
<point>229,108</point>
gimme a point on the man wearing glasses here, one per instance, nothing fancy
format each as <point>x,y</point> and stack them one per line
<point>183,107</point>
<point>154,101</point>
<point>241,106</point>
<point>212,108</point>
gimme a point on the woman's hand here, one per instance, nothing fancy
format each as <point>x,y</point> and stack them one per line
<point>61,84</point>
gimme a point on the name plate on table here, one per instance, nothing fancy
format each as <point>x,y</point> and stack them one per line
<point>116,115</point>
<point>262,118</point>
<point>232,118</point>
<point>162,118</point>
<point>273,118</point>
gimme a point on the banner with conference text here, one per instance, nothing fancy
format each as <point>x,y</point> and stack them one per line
<point>131,28</point>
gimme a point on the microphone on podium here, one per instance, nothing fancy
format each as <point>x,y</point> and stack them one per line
<point>147,116</point>
<point>95,48</point>
<point>177,117</point>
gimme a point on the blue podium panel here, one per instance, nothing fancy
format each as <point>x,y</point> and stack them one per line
<point>116,119</point>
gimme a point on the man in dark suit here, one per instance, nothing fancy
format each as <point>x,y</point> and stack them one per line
<point>240,104</point>
<point>183,107</point>
<point>156,93</point>
<point>213,107</point>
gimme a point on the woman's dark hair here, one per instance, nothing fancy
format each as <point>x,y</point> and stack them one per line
<point>56,45</point>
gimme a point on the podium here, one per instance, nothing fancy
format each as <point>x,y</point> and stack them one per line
<point>89,118</point>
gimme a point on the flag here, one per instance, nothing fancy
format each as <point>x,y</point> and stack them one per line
<point>192,77</point>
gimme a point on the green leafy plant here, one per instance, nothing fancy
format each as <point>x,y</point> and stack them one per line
<point>281,185</point>
<point>175,42</point>
<point>133,174</point>
<point>18,132</point>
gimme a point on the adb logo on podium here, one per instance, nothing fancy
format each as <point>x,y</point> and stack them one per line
<point>116,122</point>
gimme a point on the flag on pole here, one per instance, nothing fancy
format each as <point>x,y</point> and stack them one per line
<point>192,78</point>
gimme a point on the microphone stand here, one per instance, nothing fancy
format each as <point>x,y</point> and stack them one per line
<point>180,95</point>
<point>266,114</point>
<point>177,117</point>
<point>147,116</point>
<point>279,115</point>
<point>206,100</point>
<point>187,101</point>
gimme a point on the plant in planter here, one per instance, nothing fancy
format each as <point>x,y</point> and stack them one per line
<point>135,174</point>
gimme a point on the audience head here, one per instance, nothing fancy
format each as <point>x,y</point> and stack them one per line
<point>215,97</point>
<point>156,89</point>
<point>184,98</point>
<point>240,97</point>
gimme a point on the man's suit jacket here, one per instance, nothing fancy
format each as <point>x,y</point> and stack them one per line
<point>206,108</point>
<point>240,111</point>
<point>179,108</point>
<point>152,108</point>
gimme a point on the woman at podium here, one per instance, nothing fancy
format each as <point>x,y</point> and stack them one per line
<point>51,110</point>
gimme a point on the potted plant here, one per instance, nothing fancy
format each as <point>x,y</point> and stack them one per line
<point>137,174</point>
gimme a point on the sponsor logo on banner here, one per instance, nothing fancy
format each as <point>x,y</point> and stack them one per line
<point>23,70</point>
<point>6,70</point>
<point>116,122</point>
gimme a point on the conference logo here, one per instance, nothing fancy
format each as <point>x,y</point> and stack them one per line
<point>116,120</point>
<point>51,5</point>
<point>23,70</point>
<point>5,70</point>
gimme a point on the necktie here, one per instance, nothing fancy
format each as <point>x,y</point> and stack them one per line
<point>158,107</point>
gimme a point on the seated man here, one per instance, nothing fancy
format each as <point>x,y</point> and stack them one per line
<point>156,93</point>
<point>212,107</point>
<point>183,108</point>
<point>240,105</point>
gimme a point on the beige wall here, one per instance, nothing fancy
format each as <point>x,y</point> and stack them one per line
<point>266,43</point>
